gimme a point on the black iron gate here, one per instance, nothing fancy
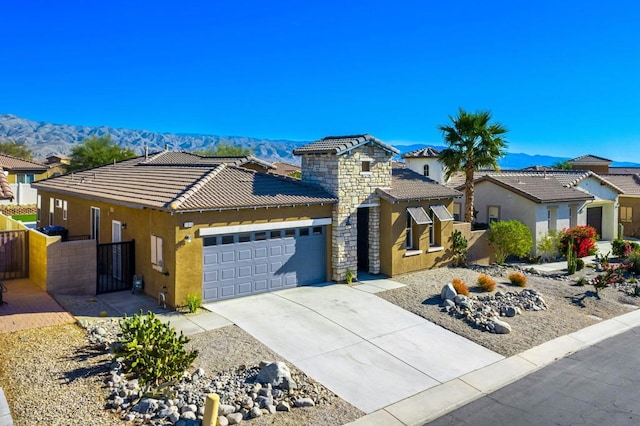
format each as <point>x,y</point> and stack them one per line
<point>116,266</point>
<point>13,254</point>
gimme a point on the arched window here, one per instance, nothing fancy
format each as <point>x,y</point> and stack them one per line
<point>425,170</point>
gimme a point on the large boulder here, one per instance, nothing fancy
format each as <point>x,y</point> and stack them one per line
<point>277,374</point>
<point>448,292</point>
<point>500,327</point>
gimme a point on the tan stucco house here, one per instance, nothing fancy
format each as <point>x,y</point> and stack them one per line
<point>202,225</point>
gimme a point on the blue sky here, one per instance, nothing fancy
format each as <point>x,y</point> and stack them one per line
<point>564,77</point>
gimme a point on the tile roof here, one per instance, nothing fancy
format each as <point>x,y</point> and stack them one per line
<point>566,178</point>
<point>629,184</point>
<point>284,169</point>
<point>187,159</point>
<point>407,185</point>
<point>425,152</point>
<point>184,187</point>
<point>537,188</point>
<point>12,163</point>
<point>589,159</point>
<point>5,189</point>
<point>341,144</point>
<point>624,170</point>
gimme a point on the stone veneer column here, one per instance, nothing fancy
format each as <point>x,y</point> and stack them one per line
<point>374,240</point>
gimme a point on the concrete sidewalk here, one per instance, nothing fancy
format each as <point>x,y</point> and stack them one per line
<point>368,351</point>
<point>442,399</point>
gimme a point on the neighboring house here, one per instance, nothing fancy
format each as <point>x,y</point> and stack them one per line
<point>629,203</point>
<point>286,169</point>
<point>215,229</point>
<point>426,161</point>
<point>600,210</point>
<point>20,174</point>
<point>590,162</point>
<point>541,202</point>
<point>57,164</point>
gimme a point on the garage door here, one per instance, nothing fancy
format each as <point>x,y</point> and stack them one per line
<point>256,262</point>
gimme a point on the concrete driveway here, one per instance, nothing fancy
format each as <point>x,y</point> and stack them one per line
<point>366,350</point>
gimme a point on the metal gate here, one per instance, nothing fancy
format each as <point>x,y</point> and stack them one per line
<point>13,254</point>
<point>116,266</point>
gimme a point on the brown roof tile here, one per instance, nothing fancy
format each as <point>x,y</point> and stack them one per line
<point>589,159</point>
<point>12,163</point>
<point>341,144</point>
<point>629,184</point>
<point>183,186</point>
<point>284,169</point>
<point>537,188</point>
<point>425,152</point>
<point>181,158</point>
<point>408,185</point>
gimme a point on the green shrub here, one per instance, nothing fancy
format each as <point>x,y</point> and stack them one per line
<point>460,246</point>
<point>151,350</point>
<point>579,264</point>
<point>548,245</point>
<point>633,263</point>
<point>460,286</point>
<point>510,237</point>
<point>194,302</point>
<point>622,248</point>
<point>581,281</point>
<point>486,283</point>
<point>518,278</point>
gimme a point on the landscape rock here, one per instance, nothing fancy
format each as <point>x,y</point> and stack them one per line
<point>448,292</point>
<point>283,406</point>
<point>500,327</point>
<point>277,374</point>
<point>234,418</point>
<point>304,402</point>
<point>222,421</point>
<point>255,412</point>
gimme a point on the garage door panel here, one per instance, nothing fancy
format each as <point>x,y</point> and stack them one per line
<point>268,264</point>
<point>244,271</point>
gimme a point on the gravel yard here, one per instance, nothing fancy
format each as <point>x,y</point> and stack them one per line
<point>570,307</point>
<point>53,376</point>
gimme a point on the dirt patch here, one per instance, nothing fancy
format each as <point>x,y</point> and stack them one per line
<point>570,307</point>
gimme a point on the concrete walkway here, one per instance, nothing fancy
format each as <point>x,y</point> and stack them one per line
<point>604,247</point>
<point>368,351</point>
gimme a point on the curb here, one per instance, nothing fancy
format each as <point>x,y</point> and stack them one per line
<point>442,399</point>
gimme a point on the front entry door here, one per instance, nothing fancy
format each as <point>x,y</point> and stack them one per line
<point>363,239</point>
<point>594,218</point>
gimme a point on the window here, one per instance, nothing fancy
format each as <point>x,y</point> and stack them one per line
<point>317,230</point>
<point>552,218</point>
<point>409,232</point>
<point>275,234</point>
<point>260,236</point>
<point>365,166</point>
<point>304,232</point>
<point>157,253</point>
<point>64,210</point>
<point>244,238</point>
<point>39,207</point>
<point>51,204</point>
<point>227,239</point>
<point>25,178</point>
<point>425,170</point>
<point>626,214</point>
<point>290,233</point>
<point>415,216</point>
<point>58,203</point>
<point>95,224</point>
<point>493,214</point>
<point>456,211</point>
<point>210,241</point>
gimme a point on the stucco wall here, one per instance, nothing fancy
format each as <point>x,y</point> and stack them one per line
<point>182,271</point>
<point>38,247</point>
<point>436,171</point>
<point>71,267</point>
<point>631,229</point>
<point>393,252</point>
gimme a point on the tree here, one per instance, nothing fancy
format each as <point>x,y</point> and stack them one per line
<point>225,150</point>
<point>473,143</point>
<point>562,165</point>
<point>96,151</point>
<point>18,150</point>
<point>510,237</point>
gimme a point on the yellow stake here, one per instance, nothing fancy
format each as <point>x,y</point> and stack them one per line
<point>211,410</point>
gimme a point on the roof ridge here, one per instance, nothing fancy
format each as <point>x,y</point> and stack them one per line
<point>22,159</point>
<point>196,187</point>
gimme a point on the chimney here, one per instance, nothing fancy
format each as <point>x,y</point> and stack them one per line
<point>146,152</point>
<point>166,147</point>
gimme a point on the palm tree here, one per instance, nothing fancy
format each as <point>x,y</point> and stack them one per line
<point>473,144</point>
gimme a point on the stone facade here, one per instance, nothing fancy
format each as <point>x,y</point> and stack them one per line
<point>352,177</point>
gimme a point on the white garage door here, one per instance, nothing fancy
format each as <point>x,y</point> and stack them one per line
<point>255,262</point>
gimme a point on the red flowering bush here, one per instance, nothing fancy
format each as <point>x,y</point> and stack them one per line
<point>584,240</point>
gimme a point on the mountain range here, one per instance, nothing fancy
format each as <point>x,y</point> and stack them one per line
<point>45,139</point>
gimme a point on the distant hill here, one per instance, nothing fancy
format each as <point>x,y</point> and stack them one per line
<point>45,139</point>
<point>518,160</point>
